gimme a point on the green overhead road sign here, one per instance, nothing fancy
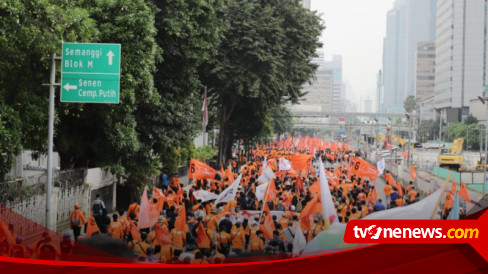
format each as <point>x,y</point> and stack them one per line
<point>90,73</point>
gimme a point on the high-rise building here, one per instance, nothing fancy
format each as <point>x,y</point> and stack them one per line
<point>368,105</point>
<point>318,96</point>
<point>394,57</point>
<point>425,72</point>
<point>409,22</point>
<point>380,104</point>
<point>338,91</point>
<point>421,16</point>
<point>461,56</point>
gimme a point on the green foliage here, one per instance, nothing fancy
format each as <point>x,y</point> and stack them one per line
<point>409,105</point>
<point>282,119</point>
<point>262,62</point>
<point>10,143</point>
<point>471,120</point>
<point>205,153</point>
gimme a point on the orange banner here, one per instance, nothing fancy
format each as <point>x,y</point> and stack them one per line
<point>199,170</point>
<point>301,162</point>
<point>362,168</point>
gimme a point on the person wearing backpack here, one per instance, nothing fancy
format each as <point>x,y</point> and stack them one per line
<point>77,221</point>
<point>98,206</point>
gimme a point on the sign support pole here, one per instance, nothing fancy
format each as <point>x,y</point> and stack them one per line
<point>49,182</point>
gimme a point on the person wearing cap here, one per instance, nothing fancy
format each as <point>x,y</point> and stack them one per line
<point>77,220</point>
<point>18,250</point>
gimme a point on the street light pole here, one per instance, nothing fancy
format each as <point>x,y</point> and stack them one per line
<point>483,100</point>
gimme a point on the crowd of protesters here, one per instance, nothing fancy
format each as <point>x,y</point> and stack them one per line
<point>189,230</point>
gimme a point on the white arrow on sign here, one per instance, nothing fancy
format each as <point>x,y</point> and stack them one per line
<point>110,55</point>
<point>69,87</point>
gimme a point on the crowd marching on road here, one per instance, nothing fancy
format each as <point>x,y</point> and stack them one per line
<point>269,204</point>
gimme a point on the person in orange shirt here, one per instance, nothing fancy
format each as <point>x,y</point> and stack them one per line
<point>223,241</point>
<point>409,186</point>
<point>116,229</point>
<point>134,208</point>
<point>283,221</point>
<point>178,239</point>
<point>257,243</point>
<point>125,223</point>
<point>77,220</point>
<point>238,238</point>
<point>400,201</point>
<point>412,194</point>
<point>170,198</point>
<point>211,220</point>
<point>175,182</point>
<point>387,190</point>
<point>447,205</point>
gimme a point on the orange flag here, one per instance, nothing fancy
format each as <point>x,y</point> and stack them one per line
<point>413,173</point>
<point>301,161</point>
<point>361,168</point>
<point>162,236</point>
<point>400,189</point>
<point>313,207</point>
<point>158,193</point>
<point>453,187</point>
<point>222,170</point>
<point>91,226</point>
<point>136,235</point>
<point>199,170</point>
<point>270,193</point>
<point>180,221</point>
<point>315,188</point>
<point>202,236</point>
<point>389,179</point>
<point>229,175</point>
<point>463,193</point>
<point>266,223</point>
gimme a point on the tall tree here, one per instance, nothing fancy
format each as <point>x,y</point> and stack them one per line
<point>265,57</point>
<point>30,31</point>
<point>189,33</point>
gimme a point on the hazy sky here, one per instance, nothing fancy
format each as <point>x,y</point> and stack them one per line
<point>355,29</point>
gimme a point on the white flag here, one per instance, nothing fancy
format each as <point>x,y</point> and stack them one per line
<point>260,190</point>
<point>299,242</point>
<point>284,164</point>
<point>204,195</point>
<point>328,208</point>
<point>267,175</point>
<point>230,192</point>
<point>381,165</point>
<point>265,163</point>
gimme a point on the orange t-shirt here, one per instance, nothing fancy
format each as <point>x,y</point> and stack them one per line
<point>116,229</point>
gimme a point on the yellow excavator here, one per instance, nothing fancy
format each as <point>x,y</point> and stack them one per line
<point>452,158</point>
